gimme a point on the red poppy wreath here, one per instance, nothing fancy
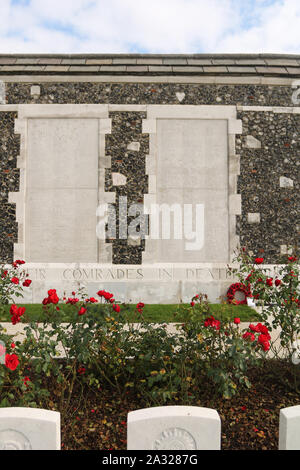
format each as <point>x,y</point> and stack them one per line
<point>238,287</point>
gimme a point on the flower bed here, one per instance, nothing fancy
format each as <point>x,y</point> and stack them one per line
<point>250,420</point>
<point>209,361</point>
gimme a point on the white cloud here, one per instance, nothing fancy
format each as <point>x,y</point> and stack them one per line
<point>159,26</point>
<point>277,30</point>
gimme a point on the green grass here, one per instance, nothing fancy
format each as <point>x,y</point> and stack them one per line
<point>152,312</point>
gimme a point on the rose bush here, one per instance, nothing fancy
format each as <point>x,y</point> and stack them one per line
<point>216,349</point>
<point>12,280</point>
<point>99,348</point>
<point>276,293</point>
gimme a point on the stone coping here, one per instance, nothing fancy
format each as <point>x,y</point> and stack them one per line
<point>279,65</point>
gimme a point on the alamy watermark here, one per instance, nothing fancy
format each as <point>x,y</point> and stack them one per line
<point>175,221</point>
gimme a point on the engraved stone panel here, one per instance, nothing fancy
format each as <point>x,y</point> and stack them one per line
<point>61,190</point>
<point>192,169</point>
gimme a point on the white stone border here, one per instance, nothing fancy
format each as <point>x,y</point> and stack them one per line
<point>218,79</point>
<point>36,111</point>
<point>228,113</point>
<point>270,109</point>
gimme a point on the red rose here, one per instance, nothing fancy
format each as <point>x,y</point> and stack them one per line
<point>81,370</point>
<point>249,335</point>
<point>27,283</point>
<point>15,280</point>
<point>116,308</point>
<point>269,282</point>
<point>4,274</point>
<point>54,299</point>
<point>82,311</point>
<point>263,340</point>
<point>72,301</point>
<point>16,313</point>
<point>19,261</point>
<point>26,380</point>
<point>237,321</point>
<point>52,296</point>
<point>21,311</point>
<point>292,258</point>
<point>211,321</point>
<point>192,304</point>
<point>107,295</point>
<point>277,282</point>
<point>11,361</point>
<point>259,260</point>
<point>13,309</point>
<point>254,328</point>
<point>264,330</point>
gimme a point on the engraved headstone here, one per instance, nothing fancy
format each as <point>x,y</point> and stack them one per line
<point>289,428</point>
<point>29,429</point>
<point>174,428</point>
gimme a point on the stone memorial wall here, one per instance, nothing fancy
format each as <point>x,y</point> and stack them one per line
<point>102,155</point>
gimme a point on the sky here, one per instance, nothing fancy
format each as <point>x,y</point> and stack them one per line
<point>149,26</point>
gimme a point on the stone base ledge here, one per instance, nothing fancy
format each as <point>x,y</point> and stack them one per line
<point>150,283</point>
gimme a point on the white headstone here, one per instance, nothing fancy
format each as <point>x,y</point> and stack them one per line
<point>174,428</point>
<point>29,429</point>
<point>289,428</point>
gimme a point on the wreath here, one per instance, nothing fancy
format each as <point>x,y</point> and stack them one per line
<point>238,287</point>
